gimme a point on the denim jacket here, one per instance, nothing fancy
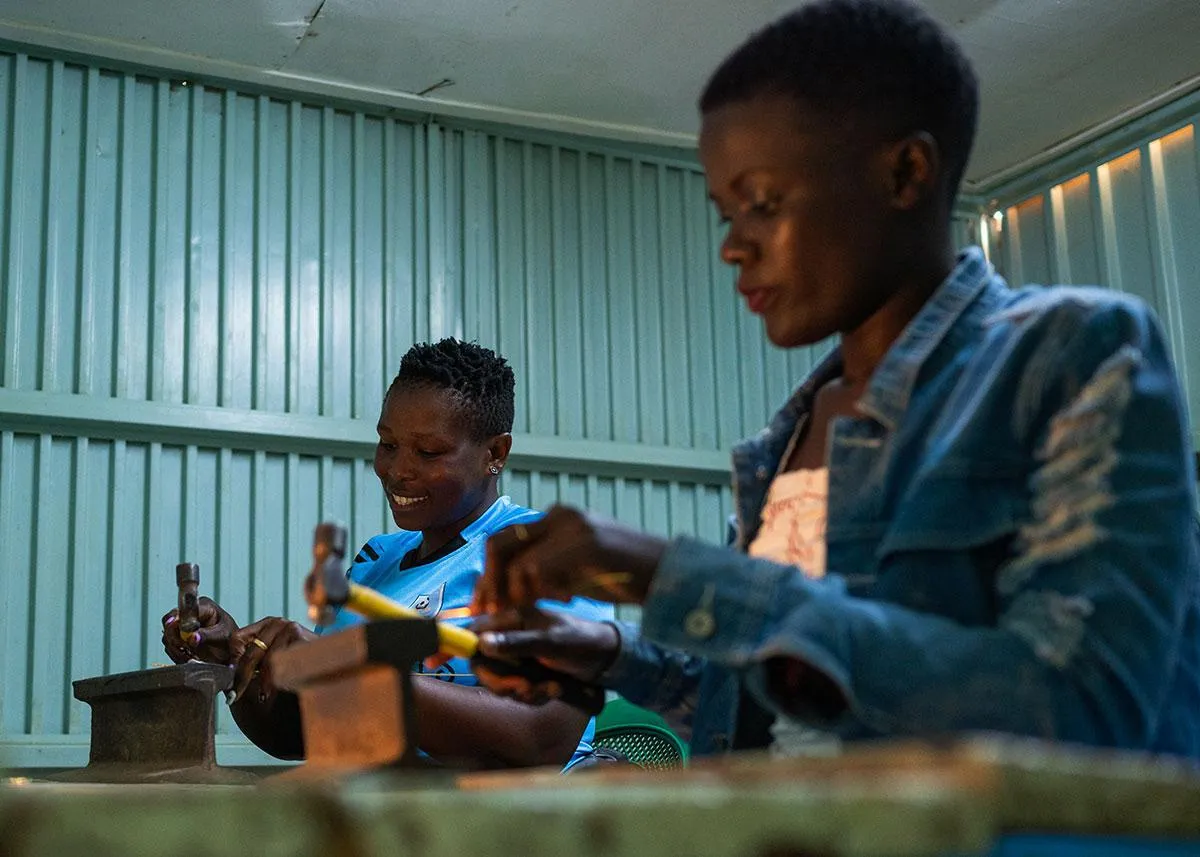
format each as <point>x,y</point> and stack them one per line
<point>1011,541</point>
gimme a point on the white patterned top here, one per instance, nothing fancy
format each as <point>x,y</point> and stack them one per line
<point>793,521</point>
<point>793,533</point>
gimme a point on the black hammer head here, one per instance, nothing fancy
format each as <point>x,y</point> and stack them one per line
<point>187,578</point>
<point>326,587</point>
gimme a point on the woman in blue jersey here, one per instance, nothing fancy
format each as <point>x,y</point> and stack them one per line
<point>444,439</point>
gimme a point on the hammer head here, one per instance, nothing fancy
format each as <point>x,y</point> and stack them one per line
<point>187,578</point>
<point>326,587</point>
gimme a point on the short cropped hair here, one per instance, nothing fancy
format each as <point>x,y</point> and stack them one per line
<point>482,381</point>
<point>886,59</point>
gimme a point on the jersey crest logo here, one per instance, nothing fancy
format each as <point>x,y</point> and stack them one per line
<point>429,604</point>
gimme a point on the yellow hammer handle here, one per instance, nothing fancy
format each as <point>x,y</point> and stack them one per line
<point>452,640</point>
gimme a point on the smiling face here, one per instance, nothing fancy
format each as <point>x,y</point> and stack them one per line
<point>807,199</point>
<point>437,478</point>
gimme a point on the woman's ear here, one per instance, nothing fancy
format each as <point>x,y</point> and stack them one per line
<point>915,169</point>
<point>498,449</point>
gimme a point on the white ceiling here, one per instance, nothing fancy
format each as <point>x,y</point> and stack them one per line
<point>1050,69</point>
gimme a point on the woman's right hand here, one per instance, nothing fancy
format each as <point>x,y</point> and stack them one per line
<point>580,648</point>
<point>210,643</point>
<point>564,554</point>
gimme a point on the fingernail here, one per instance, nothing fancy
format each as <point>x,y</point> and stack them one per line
<point>197,638</point>
<point>171,620</point>
<point>230,697</point>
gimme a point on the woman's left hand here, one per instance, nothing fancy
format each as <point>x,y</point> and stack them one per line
<point>250,645</point>
<point>565,554</point>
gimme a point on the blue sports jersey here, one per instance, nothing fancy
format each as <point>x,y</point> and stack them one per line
<point>447,584</point>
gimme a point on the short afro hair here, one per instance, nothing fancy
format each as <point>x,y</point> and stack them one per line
<point>880,58</point>
<point>482,381</point>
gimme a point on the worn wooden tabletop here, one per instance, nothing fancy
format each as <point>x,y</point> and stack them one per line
<point>890,799</point>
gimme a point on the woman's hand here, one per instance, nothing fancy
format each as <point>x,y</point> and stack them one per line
<point>249,647</point>
<point>209,643</point>
<point>575,647</point>
<point>566,553</point>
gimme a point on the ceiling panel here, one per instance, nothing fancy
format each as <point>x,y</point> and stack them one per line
<point>624,62</point>
<point>251,32</point>
<point>627,68</point>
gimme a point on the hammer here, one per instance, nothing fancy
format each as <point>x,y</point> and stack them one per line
<point>187,577</point>
<point>327,588</point>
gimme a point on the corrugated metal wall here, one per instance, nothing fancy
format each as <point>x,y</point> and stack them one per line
<point>1129,221</point>
<point>181,245</point>
<point>204,293</point>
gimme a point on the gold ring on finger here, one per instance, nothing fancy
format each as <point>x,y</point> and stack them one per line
<point>258,643</point>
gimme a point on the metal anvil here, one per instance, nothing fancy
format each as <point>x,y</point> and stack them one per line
<point>355,691</point>
<point>155,726</point>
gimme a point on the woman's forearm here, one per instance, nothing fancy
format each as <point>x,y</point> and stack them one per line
<point>470,726</point>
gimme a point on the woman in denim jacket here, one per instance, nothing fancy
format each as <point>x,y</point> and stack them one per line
<point>975,514</point>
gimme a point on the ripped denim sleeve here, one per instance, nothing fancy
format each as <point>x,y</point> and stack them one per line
<point>1069,489</point>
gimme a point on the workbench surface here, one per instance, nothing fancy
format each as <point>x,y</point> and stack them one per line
<point>981,796</point>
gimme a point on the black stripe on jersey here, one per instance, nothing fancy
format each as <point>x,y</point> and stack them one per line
<point>367,554</point>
